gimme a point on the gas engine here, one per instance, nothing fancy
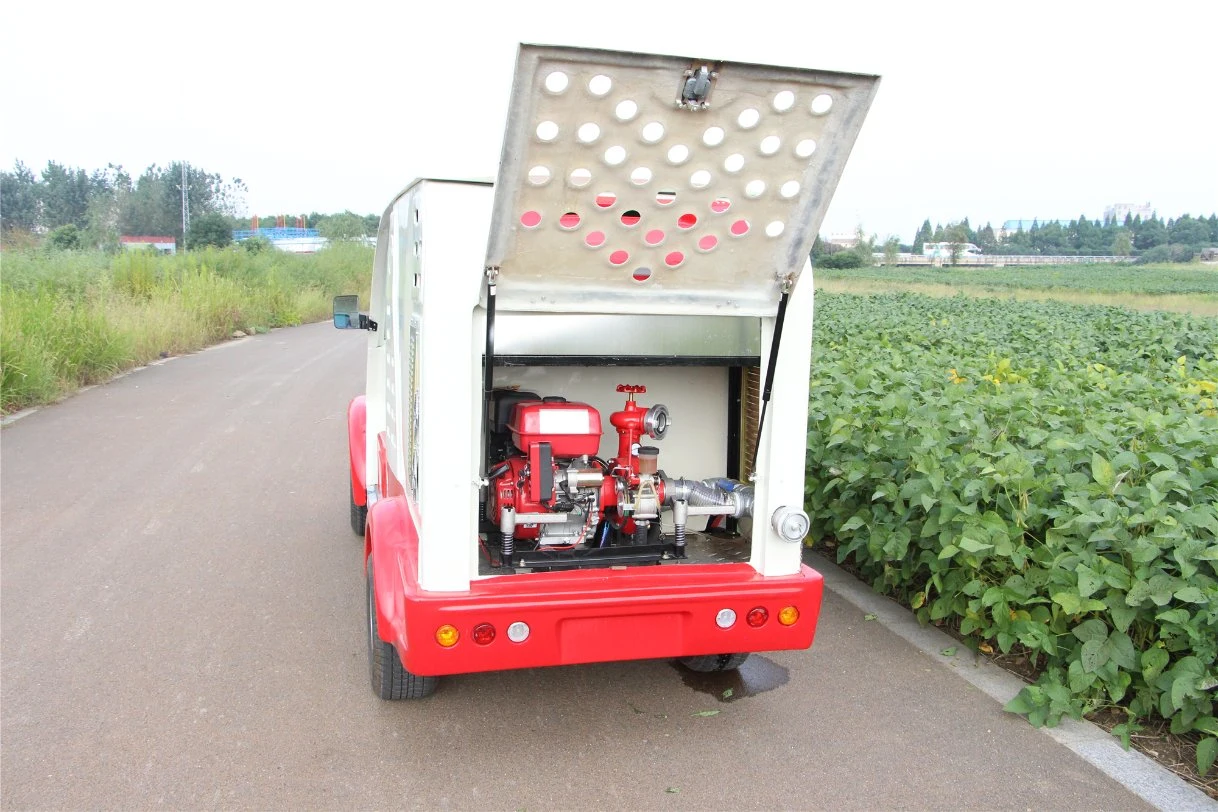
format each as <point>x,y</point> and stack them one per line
<point>551,492</point>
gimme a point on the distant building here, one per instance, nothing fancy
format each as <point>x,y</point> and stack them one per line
<point>943,250</point>
<point>843,240</point>
<point>1119,211</point>
<point>292,240</point>
<point>162,245</point>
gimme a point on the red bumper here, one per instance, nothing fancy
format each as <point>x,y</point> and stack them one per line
<point>600,615</point>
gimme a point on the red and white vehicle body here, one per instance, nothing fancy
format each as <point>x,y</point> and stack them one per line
<point>645,243</point>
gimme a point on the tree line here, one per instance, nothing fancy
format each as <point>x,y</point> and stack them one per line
<point>72,207</point>
<point>1177,240</point>
<point>100,205</point>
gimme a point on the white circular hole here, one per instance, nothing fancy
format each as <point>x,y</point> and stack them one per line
<point>557,82</point>
<point>615,155</point>
<point>653,131</point>
<point>579,178</point>
<point>774,229</point>
<point>754,188</point>
<point>640,176</point>
<point>748,118</point>
<point>734,162</point>
<point>547,131</point>
<point>789,189</point>
<point>600,84</point>
<point>700,179</point>
<point>540,175</point>
<point>805,148</point>
<point>678,154</point>
<point>587,133</point>
<point>713,136</point>
<point>626,110</point>
<point>821,104</point>
<point>770,144</point>
<point>784,100</point>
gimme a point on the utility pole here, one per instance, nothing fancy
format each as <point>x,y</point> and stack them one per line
<point>185,207</point>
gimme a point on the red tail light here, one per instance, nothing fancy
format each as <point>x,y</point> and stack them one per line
<point>483,634</point>
<point>757,617</point>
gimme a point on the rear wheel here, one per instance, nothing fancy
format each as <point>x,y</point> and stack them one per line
<point>389,679</point>
<point>714,662</point>
<point>359,513</point>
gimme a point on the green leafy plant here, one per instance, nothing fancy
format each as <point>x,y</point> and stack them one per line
<point>1041,476</point>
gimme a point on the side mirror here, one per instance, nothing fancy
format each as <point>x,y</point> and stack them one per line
<point>346,312</point>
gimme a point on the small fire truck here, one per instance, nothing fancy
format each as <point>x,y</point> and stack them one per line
<point>582,437</point>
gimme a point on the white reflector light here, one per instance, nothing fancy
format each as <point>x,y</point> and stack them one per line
<point>725,618</point>
<point>518,632</point>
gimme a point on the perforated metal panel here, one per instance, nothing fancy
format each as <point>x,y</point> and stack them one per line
<point>612,197</point>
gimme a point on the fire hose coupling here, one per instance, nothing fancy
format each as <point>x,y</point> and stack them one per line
<point>657,421</point>
<point>791,523</point>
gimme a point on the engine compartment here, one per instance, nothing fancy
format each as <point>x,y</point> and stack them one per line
<point>553,503</point>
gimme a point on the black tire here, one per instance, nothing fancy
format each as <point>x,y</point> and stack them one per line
<point>359,513</point>
<point>389,679</point>
<point>713,662</point>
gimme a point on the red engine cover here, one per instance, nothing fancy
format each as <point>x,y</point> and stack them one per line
<point>571,429</point>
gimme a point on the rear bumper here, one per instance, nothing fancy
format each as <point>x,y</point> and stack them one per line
<point>602,615</point>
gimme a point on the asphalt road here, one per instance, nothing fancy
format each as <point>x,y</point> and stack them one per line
<point>182,625</point>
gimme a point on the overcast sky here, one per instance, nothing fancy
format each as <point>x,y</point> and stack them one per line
<point>992,111</point>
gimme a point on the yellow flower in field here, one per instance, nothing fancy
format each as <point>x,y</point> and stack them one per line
<point>954,376</point>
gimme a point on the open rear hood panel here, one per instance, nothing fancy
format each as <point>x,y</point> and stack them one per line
<point>612,198</point>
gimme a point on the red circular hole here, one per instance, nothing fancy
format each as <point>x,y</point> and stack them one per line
<point>619,258</point>
<point>631,218</point>
<point>666,198</point>
<point>674,258</point>
<point>740,228</point>
<point>606,199</point>
<point>708,242</point>
<point>654,237</point>
<point>720,204</point>
<point>569,220</point>
<point>687,221</point>
<point>641,274</point>
<point>530,219</point>
<point>595,239</point>
<point>757,617</point>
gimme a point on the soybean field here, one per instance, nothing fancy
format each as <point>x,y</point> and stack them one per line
<point>1040,477</point>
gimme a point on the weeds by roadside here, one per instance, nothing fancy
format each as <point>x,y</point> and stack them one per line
<point>69,319</point>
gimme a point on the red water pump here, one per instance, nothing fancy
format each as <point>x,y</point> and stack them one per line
<point>558,494</point>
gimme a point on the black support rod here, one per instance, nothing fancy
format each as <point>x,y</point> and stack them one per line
<point>769,372</point>
<point>488,371</point>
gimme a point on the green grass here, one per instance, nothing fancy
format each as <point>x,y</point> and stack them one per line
<point>69,319</point>
<point>1165,279</point>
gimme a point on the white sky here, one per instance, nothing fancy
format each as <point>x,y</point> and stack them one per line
<point>992,111</point>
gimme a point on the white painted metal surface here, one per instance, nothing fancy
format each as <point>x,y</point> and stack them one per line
<point>612,199</point>
<point>781,456</point>
<point>424,363</point>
